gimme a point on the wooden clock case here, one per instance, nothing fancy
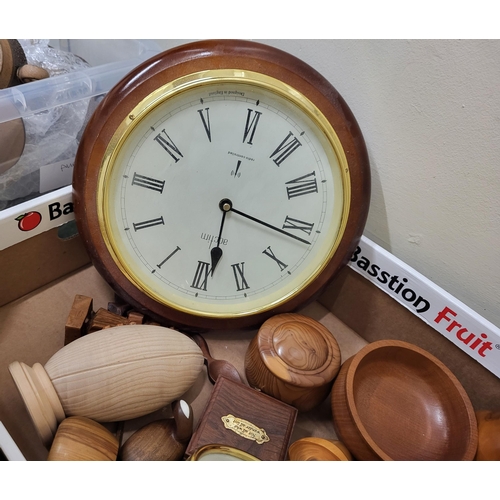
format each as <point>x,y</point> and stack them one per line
<point>188,59</point>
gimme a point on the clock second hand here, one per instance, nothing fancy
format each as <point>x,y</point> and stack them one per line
<point>226,202</point>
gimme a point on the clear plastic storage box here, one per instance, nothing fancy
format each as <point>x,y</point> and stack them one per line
<point>51,113</point>
<point>47,117</point>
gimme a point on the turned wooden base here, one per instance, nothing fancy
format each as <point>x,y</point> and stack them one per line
<point>40,398</point>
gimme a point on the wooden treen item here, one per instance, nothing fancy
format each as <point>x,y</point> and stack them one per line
<point>83,320</point>
<point>111,375</point>
<point>395,401</point>
<point>164,439</point>
<point>311,449</point>
<point>240,417</point>
<point>216,367</point>
<point>80,438</point>
<point>488,426</point>
<point>78,318</point>
<point>293,358</point>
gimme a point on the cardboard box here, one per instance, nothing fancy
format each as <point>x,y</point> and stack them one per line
<point>352,308</point>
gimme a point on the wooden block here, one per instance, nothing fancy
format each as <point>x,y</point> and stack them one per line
<point>119,307</point>
<point>244,418</point>
<point>106,319</point>
<point>135,318</point>
<point>78,319</point>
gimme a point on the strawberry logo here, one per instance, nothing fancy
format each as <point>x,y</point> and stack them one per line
<point>29,221</point>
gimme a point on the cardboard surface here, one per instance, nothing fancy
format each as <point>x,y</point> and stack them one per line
<point>374,315</point>
<point>39,260</point>
<point>32,330</point>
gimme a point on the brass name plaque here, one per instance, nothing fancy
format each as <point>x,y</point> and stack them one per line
<point>245,429</point>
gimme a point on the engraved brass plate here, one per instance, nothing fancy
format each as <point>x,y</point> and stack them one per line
<point>245,429</point>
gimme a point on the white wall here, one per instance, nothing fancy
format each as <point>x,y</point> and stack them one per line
<point>430,114</point>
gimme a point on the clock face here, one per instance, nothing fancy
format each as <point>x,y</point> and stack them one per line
<point>223,194</point>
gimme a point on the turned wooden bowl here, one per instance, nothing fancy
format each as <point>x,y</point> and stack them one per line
<point>293,358</point>
<point>395,401</point>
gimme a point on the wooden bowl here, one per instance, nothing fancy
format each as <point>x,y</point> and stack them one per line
<point>311,449</point>
<point>293,358</point>
<point>395,401</point>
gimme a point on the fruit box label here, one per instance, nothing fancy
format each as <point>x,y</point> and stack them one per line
<point>472,333</point>
<point>33,217</point>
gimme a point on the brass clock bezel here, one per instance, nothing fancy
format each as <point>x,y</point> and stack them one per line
<point>164,94</point>
<point>171,70</point>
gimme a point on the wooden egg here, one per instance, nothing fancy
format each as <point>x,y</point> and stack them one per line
<point>80,438</point>
<point>164,439</point>
<point>488,426</point>
<point>318,449</point>
<point>293,358</point>
<point>114,374</point>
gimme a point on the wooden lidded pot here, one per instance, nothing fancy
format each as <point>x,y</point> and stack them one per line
<point>293,358</point>
<point>311,449</point>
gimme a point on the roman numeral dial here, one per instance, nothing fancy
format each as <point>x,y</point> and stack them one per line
<point>226,199</point>
<point>251,123</point>
<point>286,147</point>
<point>306,184</point>
<point>168,145</point>
<point>146,182</point>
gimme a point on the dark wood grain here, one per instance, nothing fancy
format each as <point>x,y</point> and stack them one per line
<point>160,440</point>
<point>216,367</point>
<point>228,397</point>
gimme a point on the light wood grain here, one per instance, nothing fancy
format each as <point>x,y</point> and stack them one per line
<point>114,374</point>
<point>80,438</point>
<point>293,358</point>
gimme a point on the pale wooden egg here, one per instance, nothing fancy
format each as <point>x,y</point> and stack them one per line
<point>114,374</point>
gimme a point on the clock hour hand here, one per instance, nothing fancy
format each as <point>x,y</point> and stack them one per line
<point>274,228</point>
<point>216,252</point>
<point>215,255</point>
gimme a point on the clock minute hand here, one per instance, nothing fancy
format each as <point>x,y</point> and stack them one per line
<point>232,209</point>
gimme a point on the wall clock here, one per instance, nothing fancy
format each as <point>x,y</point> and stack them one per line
<point>220,183</point>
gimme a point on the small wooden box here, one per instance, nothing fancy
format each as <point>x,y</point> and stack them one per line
<point>244,418</point>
